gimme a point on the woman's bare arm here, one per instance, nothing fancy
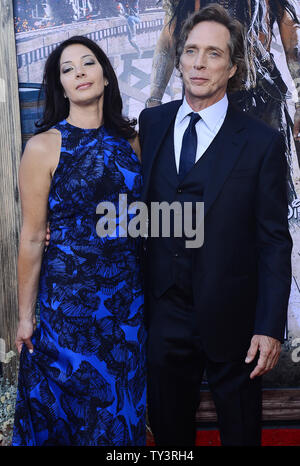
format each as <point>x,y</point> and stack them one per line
<point>37,165</point>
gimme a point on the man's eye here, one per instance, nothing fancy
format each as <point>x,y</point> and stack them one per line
<point>214,54</point>
<point>190,51</point>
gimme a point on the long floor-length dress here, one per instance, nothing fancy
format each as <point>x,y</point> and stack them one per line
<point>84,383</point>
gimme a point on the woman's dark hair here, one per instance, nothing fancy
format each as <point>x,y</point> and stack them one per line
<point>57,108</point>
<point>218,14</point>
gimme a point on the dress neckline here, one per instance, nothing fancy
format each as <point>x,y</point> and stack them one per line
<point>78,128</point>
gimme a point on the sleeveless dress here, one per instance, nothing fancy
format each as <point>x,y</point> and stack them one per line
<point>85,382</point>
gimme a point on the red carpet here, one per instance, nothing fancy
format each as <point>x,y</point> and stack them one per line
<point>270,437</point>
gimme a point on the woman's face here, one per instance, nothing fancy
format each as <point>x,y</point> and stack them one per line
<point>81,75</point>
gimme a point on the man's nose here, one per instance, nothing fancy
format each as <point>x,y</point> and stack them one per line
<point>200,61</point>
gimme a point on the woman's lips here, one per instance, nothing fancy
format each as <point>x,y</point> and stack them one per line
<point>84,86</point>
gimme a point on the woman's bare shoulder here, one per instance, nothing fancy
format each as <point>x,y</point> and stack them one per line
<point>43,148</point>
<point>43,142</point>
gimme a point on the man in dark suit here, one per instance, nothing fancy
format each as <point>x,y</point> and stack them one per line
<point>221,307</point>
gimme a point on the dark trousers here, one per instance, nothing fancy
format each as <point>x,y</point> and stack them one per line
<point>176,363</point>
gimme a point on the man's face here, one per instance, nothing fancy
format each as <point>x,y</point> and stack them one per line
<point>205,64</point>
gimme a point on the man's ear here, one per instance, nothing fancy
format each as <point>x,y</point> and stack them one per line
<point>179,68</point>
<point>232,71</point>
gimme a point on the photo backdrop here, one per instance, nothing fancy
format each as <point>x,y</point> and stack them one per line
<point>128,32</point>
<point>41,25</point>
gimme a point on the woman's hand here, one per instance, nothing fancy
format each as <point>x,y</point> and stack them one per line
<point>24,334</point>
<point>48,234</point>
<point>135,144</point>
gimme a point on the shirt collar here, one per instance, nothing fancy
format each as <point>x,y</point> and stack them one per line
<point>210,115</point>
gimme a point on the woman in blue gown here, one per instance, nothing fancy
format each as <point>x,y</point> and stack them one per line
<point>82,369</point>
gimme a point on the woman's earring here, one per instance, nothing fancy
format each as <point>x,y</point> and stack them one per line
<point>65,95</point>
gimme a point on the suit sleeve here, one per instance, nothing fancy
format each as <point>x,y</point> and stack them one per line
<point>274,243</point>
<point>142,127</point>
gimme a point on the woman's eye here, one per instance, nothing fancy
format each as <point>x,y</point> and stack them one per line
<point>90,63</point>
<point>66,70</point>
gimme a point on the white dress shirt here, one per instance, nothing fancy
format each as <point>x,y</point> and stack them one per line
<point>207,127</point>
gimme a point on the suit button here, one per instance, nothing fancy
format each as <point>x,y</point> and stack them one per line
<point>176,254</point>
<point>179,190</point>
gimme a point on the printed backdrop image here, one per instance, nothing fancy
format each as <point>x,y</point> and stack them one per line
<point>128,32</point>
<point>131,33</point>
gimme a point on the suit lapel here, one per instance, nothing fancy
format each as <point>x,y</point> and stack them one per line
<point>229,149</point>
<point>158,130</point>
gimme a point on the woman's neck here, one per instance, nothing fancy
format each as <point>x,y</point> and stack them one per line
<point>87,117</point>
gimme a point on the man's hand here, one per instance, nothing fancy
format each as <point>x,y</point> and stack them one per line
<point>296,131</point>
<point>269,350</point>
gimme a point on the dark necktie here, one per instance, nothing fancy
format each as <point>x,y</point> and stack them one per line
<point>188,147</point>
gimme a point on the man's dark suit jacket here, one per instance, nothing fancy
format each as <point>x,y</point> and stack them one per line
<point>242,273</point>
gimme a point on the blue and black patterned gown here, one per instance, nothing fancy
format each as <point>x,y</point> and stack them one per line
<point>84,384</point>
